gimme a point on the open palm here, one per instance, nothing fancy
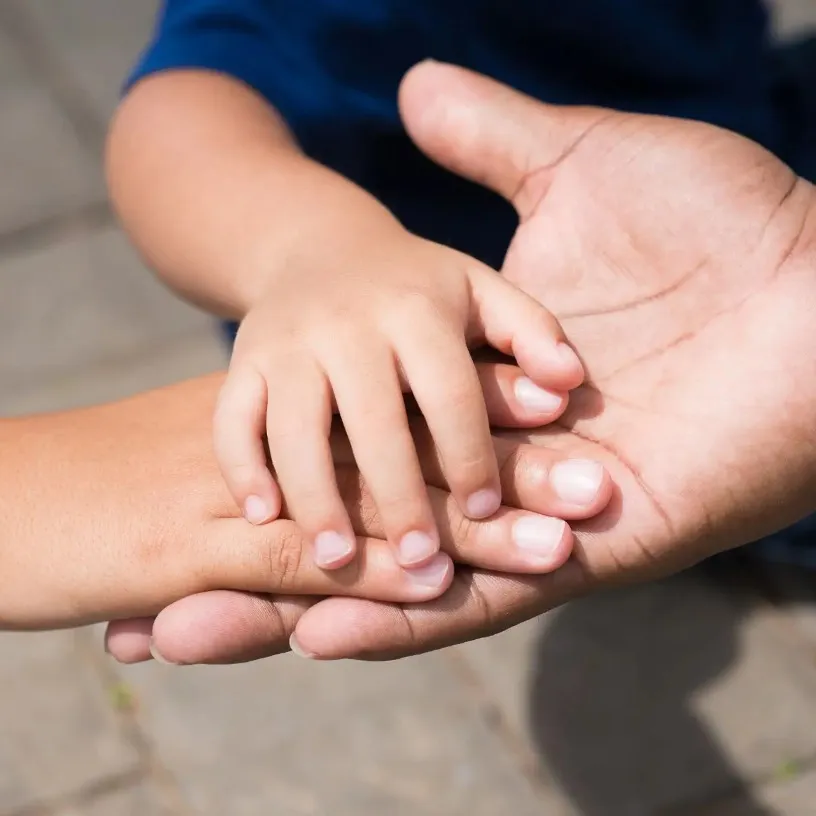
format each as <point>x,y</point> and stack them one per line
<point>672,252</point>
<point>680,259</point>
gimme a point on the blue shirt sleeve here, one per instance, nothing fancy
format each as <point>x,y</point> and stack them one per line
<point>250,40</point>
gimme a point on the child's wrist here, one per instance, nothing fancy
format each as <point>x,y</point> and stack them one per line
<point>311,247</point>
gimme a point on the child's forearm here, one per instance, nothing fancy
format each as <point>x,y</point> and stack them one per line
<point>216,194</point>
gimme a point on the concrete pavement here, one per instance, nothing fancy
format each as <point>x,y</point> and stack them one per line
<point>695,696</point>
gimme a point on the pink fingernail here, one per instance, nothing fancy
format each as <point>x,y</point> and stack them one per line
<point>538,535</point>
<point>535,399</point>
<point>331,547</point>
<point>297,649</point>
<point>577,481</point>
<point>256,510</point>
<point>483,504</point>
<point>568,357</point>
<point>158,656</point>
<point>416,547</point>
<point>430,575</point>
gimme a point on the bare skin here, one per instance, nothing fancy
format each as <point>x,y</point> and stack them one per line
<point>680,261</point>
<point>118,511</point>
<point>341,309</point>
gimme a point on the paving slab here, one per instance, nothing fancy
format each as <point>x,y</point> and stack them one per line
<point>346,739</point>
<point>191,356</point>
<point>60,732</point>
<point>46,169</point>
<point>96,40</point>
<point>783,797</point>
<point>641,700</point>
<point>82,302</point>
<point>794,16</point>
<point>143,799</point>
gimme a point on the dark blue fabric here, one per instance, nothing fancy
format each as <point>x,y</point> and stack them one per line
<point>332,67</point>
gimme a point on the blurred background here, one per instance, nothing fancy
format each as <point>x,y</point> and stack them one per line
<point>696,696</point>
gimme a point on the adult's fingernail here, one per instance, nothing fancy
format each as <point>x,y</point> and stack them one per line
<point>577,481</point>
<point>538,535</point>
<point>568,357</point>
<point>331,547</point>
<point>158,656</point>
<point>297,649</point>
<point>432,574</point>
<point>256,510</point>
<point>483,504</point>
<point>416,547</point>
<point>535,399</point>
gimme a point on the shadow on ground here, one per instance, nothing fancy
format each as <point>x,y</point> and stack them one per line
<point>611,701</point>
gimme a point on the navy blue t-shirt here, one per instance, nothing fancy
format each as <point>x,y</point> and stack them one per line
<point>332,68</point>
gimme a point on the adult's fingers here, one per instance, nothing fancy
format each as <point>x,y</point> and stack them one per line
<point>477,605</point>
<point>513,400</point>
<point>534,478</point>
<point>213,627</point>
<point>514,541</point>
<point>128,641</point>
<point>232,627</point>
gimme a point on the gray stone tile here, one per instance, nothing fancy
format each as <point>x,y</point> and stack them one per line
<point>59,731</point>
<point>191,356</point>
<point>45,168</point>
<point>348,739</point>
<point>20,651</point>
<point>642,700</point>
<point>97,40</point>
<point>143,799</point>
<point>794,797</point>
<point>794,16</point>
<point>83,302</point>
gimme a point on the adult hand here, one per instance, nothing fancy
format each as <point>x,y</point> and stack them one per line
<point>680,259</point>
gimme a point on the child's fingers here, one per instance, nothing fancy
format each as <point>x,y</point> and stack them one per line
<point>443,379</point>
<point>511,540</point>
<point>272,562</point>
<point>298,422</point>
<point>238,430</point>
<point>513,400</point>
<point>371,405</point>
<point>518,325</point>
<point>539,479</point>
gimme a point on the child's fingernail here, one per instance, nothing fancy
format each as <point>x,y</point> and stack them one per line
<point>568,357</point>
<point>331,547</point>
<point>256,510</point>
<point>535,399</point>
<point>483,504</point>
<point>430,575</point>
<point>538,535</point>
<point>297,649</point>
<point>577,481</point>
<point>416,547</point>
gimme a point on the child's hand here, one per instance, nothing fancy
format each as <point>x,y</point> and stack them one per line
<point>381,312</point>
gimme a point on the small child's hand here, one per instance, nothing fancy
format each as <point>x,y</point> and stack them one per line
<point>387,312</point>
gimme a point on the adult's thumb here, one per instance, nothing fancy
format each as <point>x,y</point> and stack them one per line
<point>486,131</point>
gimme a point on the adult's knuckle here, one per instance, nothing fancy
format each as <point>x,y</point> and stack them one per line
<point>284,557</point>
<point>464,531</point>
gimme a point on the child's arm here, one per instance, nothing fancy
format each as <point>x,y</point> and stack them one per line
<point>215,192</point>
<point>338,302</point>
